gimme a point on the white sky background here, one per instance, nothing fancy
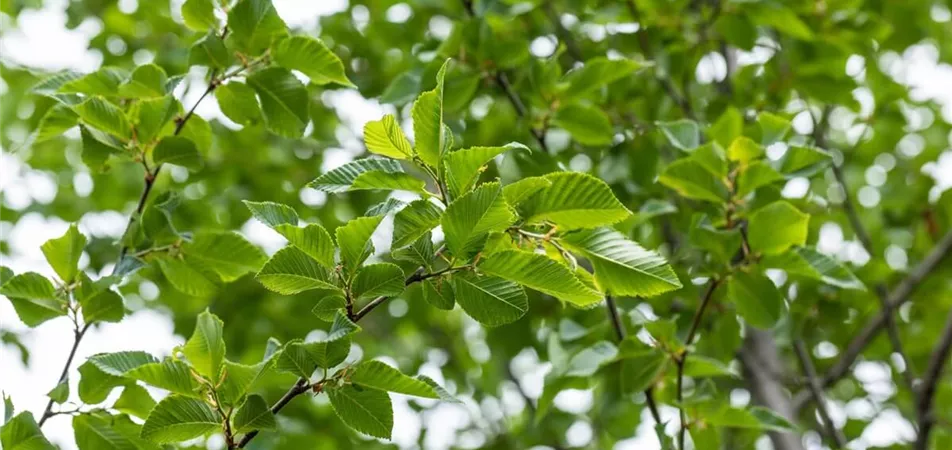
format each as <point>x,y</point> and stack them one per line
<point>42,41</point>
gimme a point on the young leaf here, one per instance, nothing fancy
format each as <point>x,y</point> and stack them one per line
<point>589,360</point>
<point>374,280</point>
<point>594,74</point>
<point>117,364</point>
<point>22,433</point>
<point>516,193</point>
<point>354,241</point>
<point>415,220</point>
<point>377,375</point>
<point>804,161</point>
<point>301,358</point>
<point>388,181</point>
<point>311,57</point>
<point>171,375</point>
<point>253,25</point>
<point>491,301</point>
<point>95,384</point>
<point>206,348</point>
<point>104,81</point>
<point>326,308</point>
<point>428,127</point>
<point>622,267</point>
<point>63,253</point>
<point>177,419</point>
<point>776,227</point>
<point>683,134</point>
<point>284,99</point>
<point>272,214</point>
<point>291,270</point>
<point>773,128</point>
<point>179,151</point>
<point>366,410</point>
<point>60,393</point>
<point>199,15</point>
<point>756,175</point>
<point>34,298</point>
<point>469,220</point>
<point>99,113</point>
<point>187,278</point>
<point>439,293</point>
<point>228,254</point>
<point>94,431</point>
<point>540,273</point>
<point>691,179</point>
<point>384,137</point>
<point>757,299</point>
<point>134,400</point>
<point>807,262</point>
<point>587,124</point>
<point>238,102</point>
<point>210,51</point>
<point>102,306</point>
<point>341,178</point>
<point>313,240</point>
<point>55,122</point>
<point>575,200</point>
<point>147,81</point>
<point>640,370</point>
<point>728,127</point>
<point>463,166</point>
<point>152,116</point>
<point>744,150</point>
<point>254,414</point>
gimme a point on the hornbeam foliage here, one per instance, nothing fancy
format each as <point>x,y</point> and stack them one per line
<point>418,223</point>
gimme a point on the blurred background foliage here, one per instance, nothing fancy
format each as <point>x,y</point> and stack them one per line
<point>853,76</point>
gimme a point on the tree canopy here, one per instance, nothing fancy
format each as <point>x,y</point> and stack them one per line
<point>688,224</point>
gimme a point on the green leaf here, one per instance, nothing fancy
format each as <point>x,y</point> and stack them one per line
<point>575,200</point>
<point>226,253</point>
<point>366,410</point>
<point>171,375</point>
<point>420,252</point>
<point>152,116</point>
<point>7,408</point>
<point>375,280</point>
<point>104,81</point>
<point>784,19</point>
<point>464,166</point>
<point>519,191</point>
<point>313,240</point>
<point>595,73</point>
<point>55,122</point>
<point>757,299</point>
<point>589,360</point>
<point>60,393</point>
<point>439,293</point>
<point>291,271</point>
<point>103,306</point>
<point>469,220</point>
<point>95,431</point>
<point>755,418</point>
<point>698,366</point>
<point>302,358</point>
<point>134,400</point>
<point>776,227</point>
<point>341,178</point>
<point>186,278</point>
<point>205,350</point>
<point>147,81</point>
<point>683,134</point>
<point>177,419</point>
<point>118,363</point>
<point>728,127</point>
<point>540,273</point>
<point>756,175</point>
<point>389,181</point>
<point>804,161</point>
<point>253,25</point>
<point>198,130</point>
<point>199,15</point>
<point>272,214</point>
<point>238,102</point>
<point>384,137</point>
<point>354,241</point>
<point>34,298</point>
<point>640,370</point>
<point>418,218</point>
<point>97,148</point>
<point>587,124</point>
<point>378,375</point>
<point>210,51</point>
<point>284,99</point>
<point>63,253</point>
<point>179,151</point>
<point>691,179</point>
<point>385,207</point>
<point>326,308</point>
<point>428,130</point>
<point>491,301</point>
<point>773,128</point>
<point>807,262</point>
<point>622,267</point>
<point>238,379</point>
<point>99,113</point>
<point>712,157</point>
<point>254,414</point>
<point>744,150</point>
<point>311,57</point>
<point>95,385</point>
<point>22,433</point>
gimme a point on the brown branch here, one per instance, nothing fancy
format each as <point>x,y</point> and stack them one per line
<point>897,297</point>
<point>695,323</point>
<point>930,382</point>
<point>78,334</point>
<point>620,334</point>
<point>817,391</point>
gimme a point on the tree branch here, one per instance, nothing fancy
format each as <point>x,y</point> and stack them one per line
<point>930,382</point>
<point>620,334</point>
<point>813,382</point>
<point>761,360</point>
<point>695,323</point>
<point>897,297</point>
<point>78,334</point>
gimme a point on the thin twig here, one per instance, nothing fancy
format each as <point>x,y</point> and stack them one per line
<point>897,297</point>
<point>620,334</point>
<point>300,387</point>
<point>814,384</point>
<point>930,382</point>
<point>78,334</point>
<point>695,323</point>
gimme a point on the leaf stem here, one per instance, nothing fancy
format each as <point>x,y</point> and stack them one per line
<point>620,335</point>
<point>682,358</point>
<point>78,334</point>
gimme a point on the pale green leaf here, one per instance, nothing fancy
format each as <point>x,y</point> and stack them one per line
<point>587,124</point>
<point>517,192</point>
<point>272,214</point>
<point>341,178</point>
<point>63,253</point>
<point>439,293</point>
<point>384,137</point>
<point>177,419</point>
<point>60,393</point>
<point>773,128</point>
<point>807,262</point>
<point>104,81</point>
<point>226,253</point>
<point>199,15</point>
<point>756,175</point>
<point>757,299</point>
<point>311,57</point>
<point>99,113</point>
<point>776,227</point>
<point>414,221</point>
<point>469,220</point>
<point>169,374</point>
<point>691,179</point>
<point>205,350</point>
<point>254,414</point>
<point>744,150</point>
<point>366,410</point>
<point>575,200</point>
<point>491,301</point>
<point>284,100</point>
<point>147,81</point>
<point>179,151</point>
<point>428,130</point>
<point>22,433</point>
<point>186,278</point>
<point>152,116</point>
<point>388,181</point>
<point>464,166</point>
<point>253,25</point>
<point>589,360</point>
<point>290,271</point>
<point>377,375</point>
<point>728,127</point>
<point>541,273</point>
<point>595,73</point>
<point>210,51</point>
<point>683,134</point>
<point>238,102</point>
<point>354,241</point>
<point>313,240</point>
<point>375,280</point>
<point>134,400</point>
<point>34,298</point>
